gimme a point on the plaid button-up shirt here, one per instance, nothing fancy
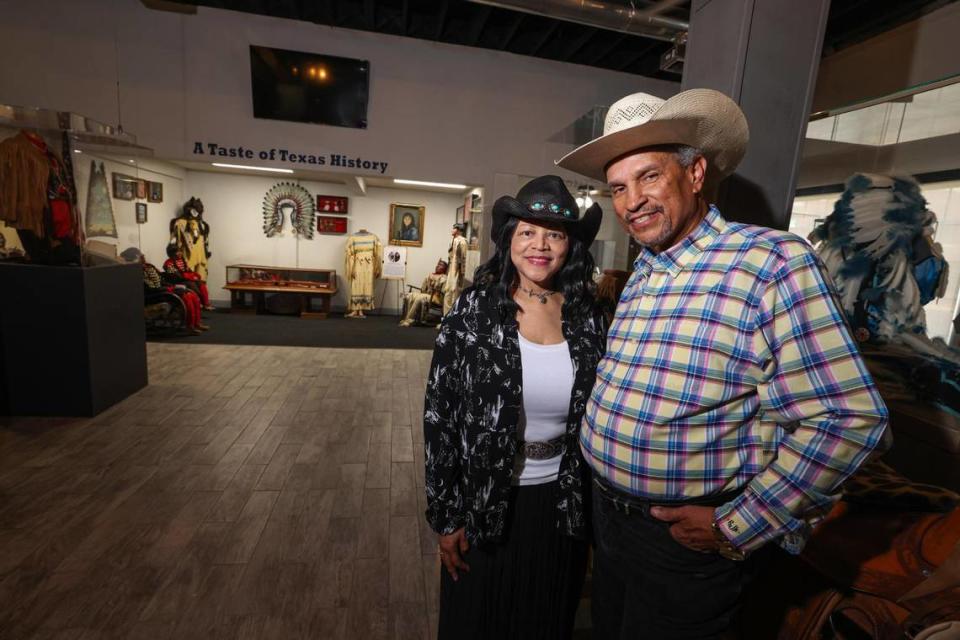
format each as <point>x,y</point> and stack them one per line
<point>729,366</point>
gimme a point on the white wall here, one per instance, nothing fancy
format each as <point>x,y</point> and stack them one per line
<point>436,111</point>
<point>152,237</point>
<point>233,208</point>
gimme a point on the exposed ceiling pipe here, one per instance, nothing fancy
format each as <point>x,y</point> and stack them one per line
<point>647,22</point>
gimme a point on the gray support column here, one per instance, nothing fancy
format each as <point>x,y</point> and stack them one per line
<point>764,54</point>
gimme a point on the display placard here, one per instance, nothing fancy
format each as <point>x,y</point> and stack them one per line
<point>395,263</point>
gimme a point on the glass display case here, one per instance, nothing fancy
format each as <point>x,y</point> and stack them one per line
<point>289,290</point>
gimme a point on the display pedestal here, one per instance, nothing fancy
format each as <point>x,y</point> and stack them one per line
<point>71,339</point>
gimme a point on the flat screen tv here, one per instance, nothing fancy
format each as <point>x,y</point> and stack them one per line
<point>309,87</point>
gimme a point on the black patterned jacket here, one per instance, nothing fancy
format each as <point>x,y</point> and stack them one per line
<point>471,412</point>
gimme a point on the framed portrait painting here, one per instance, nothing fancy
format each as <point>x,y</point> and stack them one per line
<point>406,225</point>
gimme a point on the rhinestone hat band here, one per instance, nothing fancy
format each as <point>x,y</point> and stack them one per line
<point>553,207</point>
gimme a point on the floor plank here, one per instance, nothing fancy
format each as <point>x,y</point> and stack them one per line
<point>245,493</point>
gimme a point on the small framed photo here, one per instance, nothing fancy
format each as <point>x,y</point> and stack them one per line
<point>332,204</point>
<point>154,192</point>
<point>406,225</point>
<point>124,187</point>
<point>460,214</point>
<point>332,224</point>
<point>141,212</point>
<point>141,189</point>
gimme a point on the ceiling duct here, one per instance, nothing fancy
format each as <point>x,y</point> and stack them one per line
<point>647,20</point>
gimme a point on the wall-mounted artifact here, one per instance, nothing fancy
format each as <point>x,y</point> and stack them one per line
<point>141,212</point>
<point>124,187</point>
<point>286,199</point>
<point>154,192</point>
<point>99,220</point>
<point>406,225</point>
<point>332,204</point>
<point>332,224</point>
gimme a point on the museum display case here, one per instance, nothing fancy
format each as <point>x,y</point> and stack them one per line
<point>290,290</point>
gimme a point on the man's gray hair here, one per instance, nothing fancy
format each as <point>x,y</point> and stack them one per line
<point>687,154</point>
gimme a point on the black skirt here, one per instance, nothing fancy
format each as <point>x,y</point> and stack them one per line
<point>526,586</point>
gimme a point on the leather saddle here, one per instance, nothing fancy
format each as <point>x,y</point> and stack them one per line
<point>884,565</point>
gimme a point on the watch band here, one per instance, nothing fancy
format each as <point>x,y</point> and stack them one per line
<point>726,548</point>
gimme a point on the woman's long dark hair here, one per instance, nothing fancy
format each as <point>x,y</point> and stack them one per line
<point>574,280</point>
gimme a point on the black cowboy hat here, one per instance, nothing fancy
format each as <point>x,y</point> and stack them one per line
<point>547,199</point>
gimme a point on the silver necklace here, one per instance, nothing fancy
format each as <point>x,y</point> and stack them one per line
<point>541,295</point>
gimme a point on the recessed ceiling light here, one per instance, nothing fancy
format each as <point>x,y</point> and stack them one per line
<point>243,166</point>
<point>77,151</point>
<point>423,183</point>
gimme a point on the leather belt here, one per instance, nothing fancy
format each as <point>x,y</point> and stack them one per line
<point>542,450</point>
<point>622,501</point>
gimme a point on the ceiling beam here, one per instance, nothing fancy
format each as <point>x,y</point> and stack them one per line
<point>547,34</point>
<point>578,43</point>
<point>441,19</point>
<point>369,13</point>
<point>479,22</point>
<point>512,31</point>
<point>612,43</point>
<point>639,55</point>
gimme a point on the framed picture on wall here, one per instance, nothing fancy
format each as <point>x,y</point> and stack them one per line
<point>155,192</point>
<point>406,225</point>
<point>460,211</point>
<point>141,189</point>
<point>141,212</point>
<point>124,187</point>
<point>332,204</point>
<point>336,225</point>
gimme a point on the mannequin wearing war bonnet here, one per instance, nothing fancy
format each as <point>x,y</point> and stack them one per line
<point>191,234</point>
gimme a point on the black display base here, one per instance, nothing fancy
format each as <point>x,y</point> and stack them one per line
<point>71,339</point>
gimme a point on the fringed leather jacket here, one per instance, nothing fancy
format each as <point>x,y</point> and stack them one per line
<point>471,412</point>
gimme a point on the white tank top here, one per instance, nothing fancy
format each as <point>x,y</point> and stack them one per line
<point>547,385</point>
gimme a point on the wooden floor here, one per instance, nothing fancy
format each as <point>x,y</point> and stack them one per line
<point>248,492</point>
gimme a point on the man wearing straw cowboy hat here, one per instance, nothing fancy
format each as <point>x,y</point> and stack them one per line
<point>731,401</point>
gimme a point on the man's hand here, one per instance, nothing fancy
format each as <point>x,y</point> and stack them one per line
<point>692,526</point>
<point>452,547</point>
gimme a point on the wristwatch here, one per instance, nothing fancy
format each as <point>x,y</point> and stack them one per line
<point>726,548</point>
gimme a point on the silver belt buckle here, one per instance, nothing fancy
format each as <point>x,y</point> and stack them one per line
<point>541,450</point>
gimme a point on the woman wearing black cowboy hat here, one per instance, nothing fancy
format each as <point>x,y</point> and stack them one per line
<point>512,369</point>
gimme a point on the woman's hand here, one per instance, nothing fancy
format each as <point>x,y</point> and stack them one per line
<point>452,546</point>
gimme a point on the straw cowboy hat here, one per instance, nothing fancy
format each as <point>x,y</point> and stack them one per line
<point>701,118</point>
<point>547,199</point>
